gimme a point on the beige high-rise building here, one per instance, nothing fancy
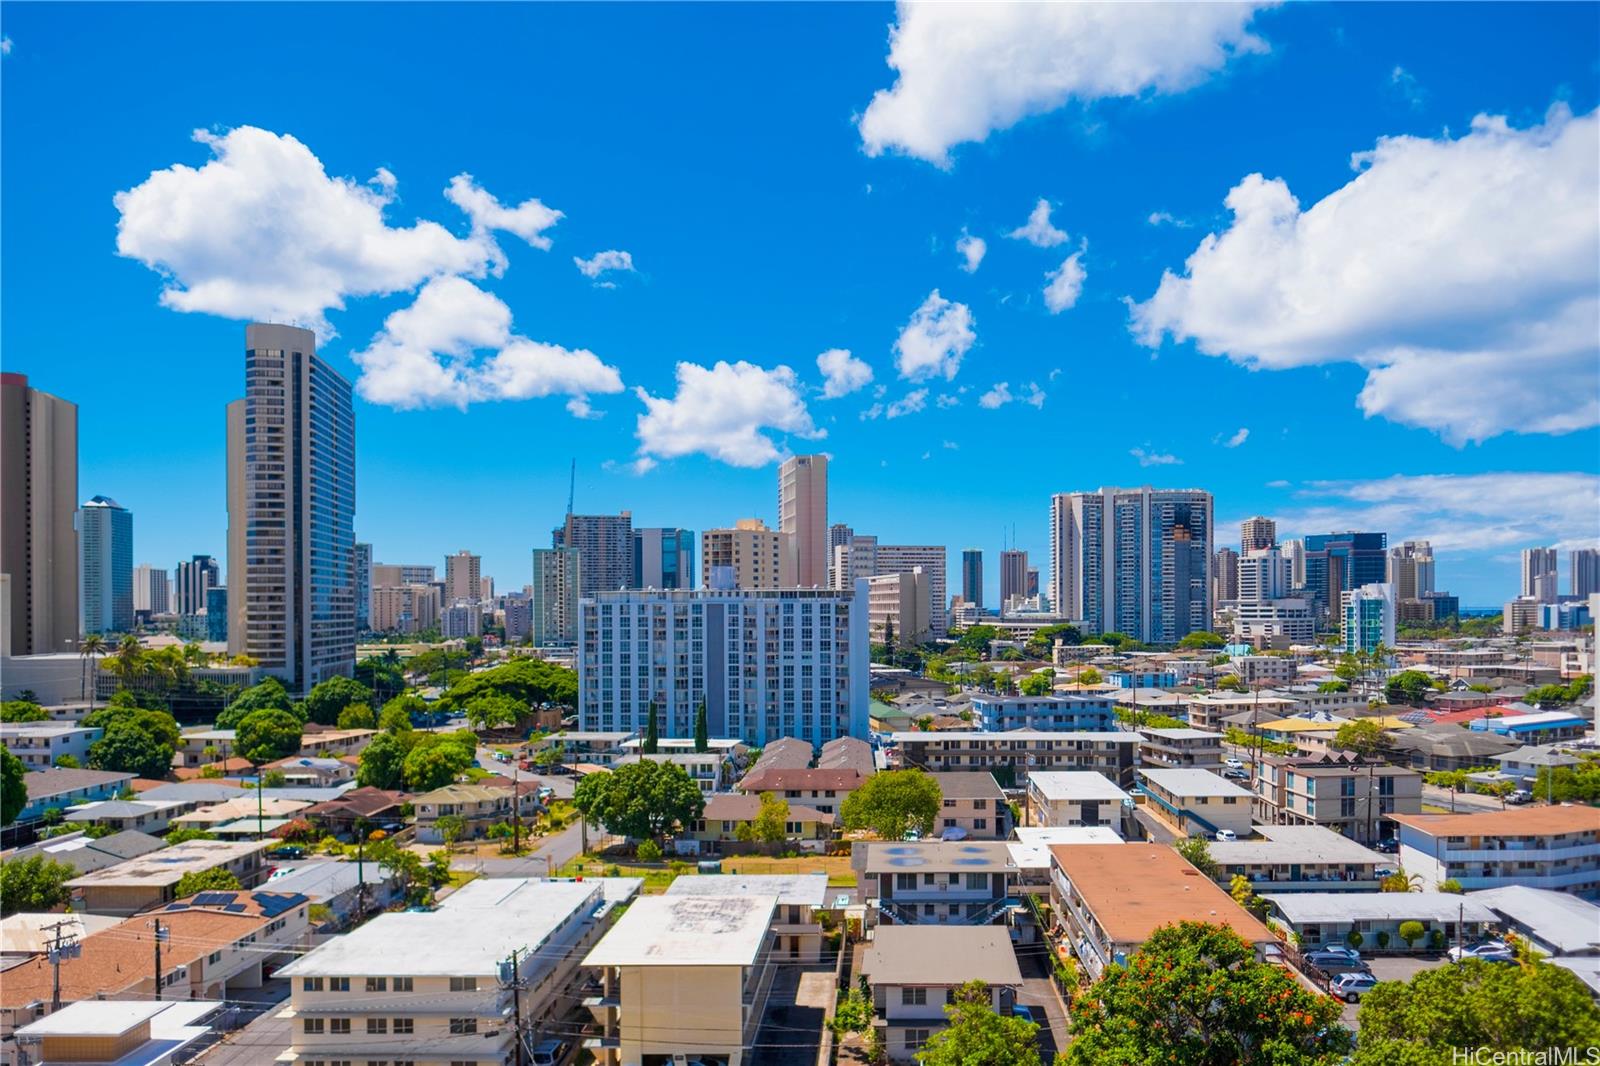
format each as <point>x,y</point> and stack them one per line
<point>901,603</point>
<point>853,560</point>
<point>463,575</point>
<point>404,608</point>
<point>1257,534</point>
<point>803,515</point>
<point>901,558</point>
<point>38,500</point>
<point>291,511</point>
<point>748,556</point>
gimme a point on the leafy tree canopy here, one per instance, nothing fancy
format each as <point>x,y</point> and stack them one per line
<point>437,759</point>
<point>1529,1006</point>
<point>397,713</point>
<point>894,802</point>
<point>22,711</point>
<point>530,682</point>
<point>383,761</point>
<point>977,1034</point>
<point>215,879</point>
<point>13,787</point>
<point>136,744</point>
<point>490,710</point>
<point>267,735</point>
<point>357,716</point>
<point>1198,851</point>
<point>1038,684</point>
<point>1408,686</point>
<point>1194,994</point>
<point>1362,736</point>
<point>1203,639</point>
<point>34,884</point>
<point>266,694</point>
<point>644,799</point>
<point>329,698</point>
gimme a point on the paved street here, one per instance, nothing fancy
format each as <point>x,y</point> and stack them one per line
<point>555,852</point>
<point>1036,993</point>
<point>1465,802</point>
<point>561,784</point>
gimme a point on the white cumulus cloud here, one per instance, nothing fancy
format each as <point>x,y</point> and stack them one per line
<point>427,355</point>
<point>1038,230</point>
<point>1150,458</point>
<point>933,342</point>
<point>1462,273</point>
<point>261,231</point>
<point>842,373</point>
<point>998,396</point>
<point>972,250</point>
<point>727,411</point>
<point>910,403</point>
<point>1064,284</point>
<point>1238,438</point>
<point>601,262</point>
<point>527,220</point>
<point>968,69</point>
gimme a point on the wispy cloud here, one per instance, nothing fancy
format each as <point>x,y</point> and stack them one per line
<point>1150,458</point>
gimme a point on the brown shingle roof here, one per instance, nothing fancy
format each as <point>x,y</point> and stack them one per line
<point>734,807</point>
<point>780,780</point>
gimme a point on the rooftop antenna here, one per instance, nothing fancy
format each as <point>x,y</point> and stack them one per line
<point>572,486</point>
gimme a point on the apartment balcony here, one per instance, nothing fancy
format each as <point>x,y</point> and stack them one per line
<point>1519,853</point>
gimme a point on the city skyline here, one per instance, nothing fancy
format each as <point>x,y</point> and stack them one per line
<point>975,363</point>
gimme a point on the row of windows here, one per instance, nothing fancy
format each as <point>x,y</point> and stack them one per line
<point>378,1026</point>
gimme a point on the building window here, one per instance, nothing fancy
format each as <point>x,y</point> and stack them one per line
<point>463,984</point>
<point>314,1026</point>
<point>377,984</point>
<point>915,1038</point>
<point>463,1026</point>
<point>402,984</point>
<point>913,997</point>
<point>377,1026</point>
<point>338,984</point>
<point>403,1026</point>
<point>339,1026</point>
<point>311,984</point>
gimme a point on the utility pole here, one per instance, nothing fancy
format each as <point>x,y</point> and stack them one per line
<point>516,811</point>
<point>157,923</point>
<point>60,944</point>
<point>516,1008</point>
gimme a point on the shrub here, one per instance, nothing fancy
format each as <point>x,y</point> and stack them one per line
<point>1354,939</point>
<point>1383,938</point>
<point>648,851</point>
<point>1410,932</point>
<point>1436,940</point>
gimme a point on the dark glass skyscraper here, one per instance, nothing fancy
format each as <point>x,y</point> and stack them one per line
<point>972,576</point>
<point>1339,562</point>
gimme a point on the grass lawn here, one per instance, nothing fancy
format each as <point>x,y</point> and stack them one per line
<point>658,877</point>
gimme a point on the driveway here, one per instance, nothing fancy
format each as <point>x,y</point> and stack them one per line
<point>1463,802</point>
<point>1036,993</point>
<point>791,1027</point>
<point>258,1042</point>
<point>555,852</point>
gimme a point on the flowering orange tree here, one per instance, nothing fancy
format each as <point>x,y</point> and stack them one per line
<point>1195,995</point>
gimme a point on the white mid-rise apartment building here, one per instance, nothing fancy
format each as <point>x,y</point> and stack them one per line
<point>767,663</point>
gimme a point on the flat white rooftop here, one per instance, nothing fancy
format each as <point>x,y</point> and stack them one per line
<point>969,735</point>
<point>113,1017</point>
<point>470,938</point>
<point>1182,734</point>
<point>167,866</point>
<point>1288,844</point>
<point>1192,782</point>
<point>1031,849</point>
<point>1075,786</point>
<point>807,890</point>
<point>1300,907</point>
<point>687,931</point>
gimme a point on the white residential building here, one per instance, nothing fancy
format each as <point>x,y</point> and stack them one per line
<point>1075,798</point>
<point>40,744</point>
<point>765,663</point>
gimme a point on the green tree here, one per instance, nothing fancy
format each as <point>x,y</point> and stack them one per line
<point>183,833</point>
<point>22,711</point>
<point>328,698</point>
<point>702,739</point>
<point>128,747</point>
<point>1410,932</point>
<point>34,884</point>
<point>267,694</point>
<point>1040,684</point>
<point>643,799</point>
<point>1198,851</point>
<point>1408,686</point>
<point>1230,683</point>
<point>357,716</point>
<point>1336,685</point>
<point>1532,1006</point>
<point>397,713</point>
<point>13,787</point>
<point>437,759</point>
<point>383,675</point>
<point>1362,736</point>
<point>771,823</point>
<point>382,762</point>
<point>67,762</point>
<point>216,879</point>
<point>530,682</point>
<point>491,710</point>
<point>652,733</point>
<point>451,827</point>
<point>1090,676</point>
<point>894,803</point>
<point>977,1034</point>
<point>1203,639</point>
<point>267,735</point>
<point>975,638</point>
<point>1400,881</point>
<point>1194,994</point>
<point>648,851</point>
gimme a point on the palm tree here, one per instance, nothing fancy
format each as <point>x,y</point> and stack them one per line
<point>128,661</point>
<point>90,649</point>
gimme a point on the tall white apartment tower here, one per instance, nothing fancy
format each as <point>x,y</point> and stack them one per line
<point>1134,561</point>
<point>291,511</point>
<point>150,585</point>
<point>803,514</point>
<point>105,567</point>
<point>1539,574</point>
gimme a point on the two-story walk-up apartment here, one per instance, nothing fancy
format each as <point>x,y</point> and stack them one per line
<point>152,880</point>
<point>1180,749</point>
<point>1012,756</point>
<point>479,805</point>
<point>1342,791</point>
<point>1076,798</point>
<point>40,744</point>
<point>796,930</point>
<point>1541,847</point>
<point>727,815</point>
<point>972,806</point>
<point>823,790</point>
<point>213,944</point>
<point>683,978</point>
<point>1050,713</point>
<point>1111,897</point>
<point>936,882</point>
<point>436,987</point>
<point>1298,858</point>
<point>914,970</point>
<point>1197,802</point>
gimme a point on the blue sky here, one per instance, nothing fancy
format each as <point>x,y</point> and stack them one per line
<point>1410,345</point>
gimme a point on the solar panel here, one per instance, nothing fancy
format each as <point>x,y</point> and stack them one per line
<point>236,908</point>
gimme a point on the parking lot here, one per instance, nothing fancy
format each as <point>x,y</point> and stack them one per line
<point>1393,968</point>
